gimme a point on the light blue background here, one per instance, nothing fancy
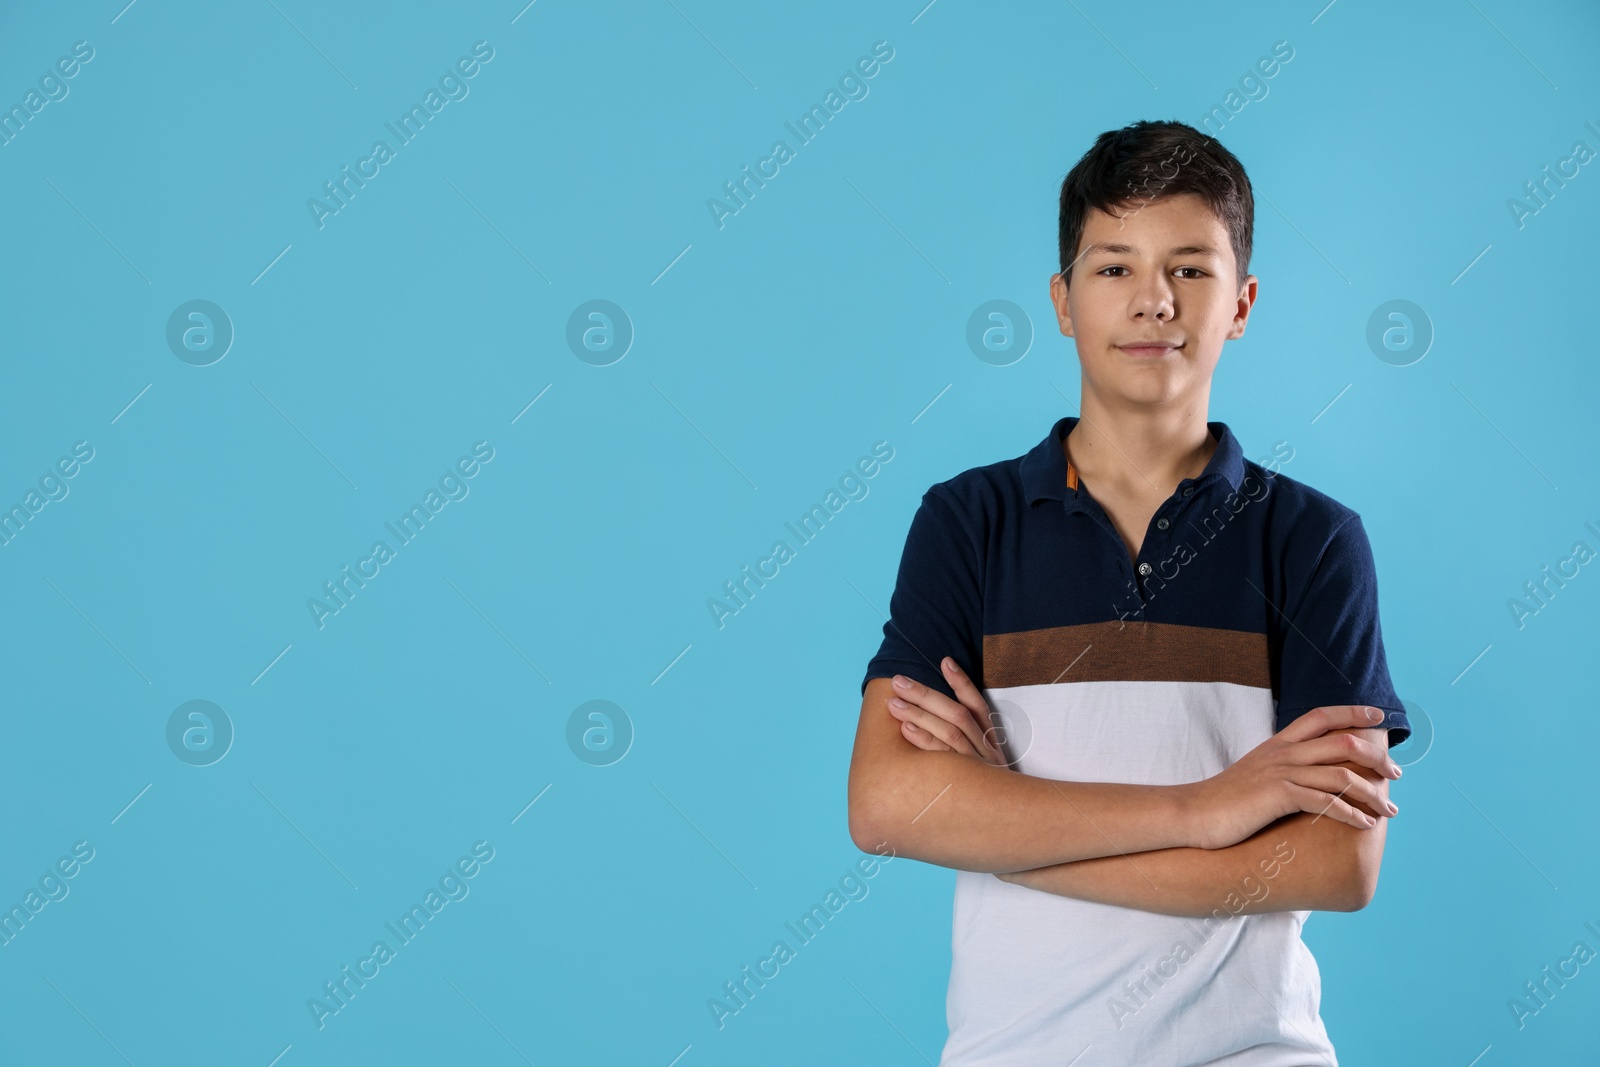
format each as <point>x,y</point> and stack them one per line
<point>827,315</point>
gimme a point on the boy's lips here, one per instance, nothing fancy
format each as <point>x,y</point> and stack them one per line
<point>1149,348</point>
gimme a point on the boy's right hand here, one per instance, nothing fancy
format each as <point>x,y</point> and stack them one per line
<point>1293,771</point>
<point>934,723</point>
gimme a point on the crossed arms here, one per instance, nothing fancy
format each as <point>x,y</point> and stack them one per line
<point>924,779</point>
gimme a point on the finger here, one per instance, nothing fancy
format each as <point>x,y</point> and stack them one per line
<point>1346,748</point>
<point>1320,804</point>
<point>947,720</point>
<point>955,714</point>
<point>1349,786</point>
<point>1319,721</point>
<point>922,739</point>
<point>936,725</point>
<point>972,699</point>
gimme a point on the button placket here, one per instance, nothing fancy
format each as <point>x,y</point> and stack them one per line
<point>1163,523</point>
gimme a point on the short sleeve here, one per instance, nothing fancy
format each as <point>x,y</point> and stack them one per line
<point>936,609</point>
<point>1332,647</point>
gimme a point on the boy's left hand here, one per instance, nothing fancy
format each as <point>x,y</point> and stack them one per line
<point>935,723</point>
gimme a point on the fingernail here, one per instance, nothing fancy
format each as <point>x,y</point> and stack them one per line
<point>902,682</point>
<point>1397,771</point>
<point>896,702</point>
<point>1392,809</point>
<point>1374,714</point>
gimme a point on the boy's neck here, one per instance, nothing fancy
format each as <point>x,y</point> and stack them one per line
<point>1139,452</point>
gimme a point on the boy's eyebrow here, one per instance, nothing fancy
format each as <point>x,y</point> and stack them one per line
<point>1123,250</point>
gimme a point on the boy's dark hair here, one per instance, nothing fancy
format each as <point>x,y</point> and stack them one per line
<point>1148,161</point>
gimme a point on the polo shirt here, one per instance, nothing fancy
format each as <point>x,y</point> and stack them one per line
<point>1252,601</point>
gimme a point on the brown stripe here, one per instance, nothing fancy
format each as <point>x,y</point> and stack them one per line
<point>1125,652</point>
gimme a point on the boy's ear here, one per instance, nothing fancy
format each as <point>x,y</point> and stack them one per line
<point>1247,300</point>
<point>1058,299</point>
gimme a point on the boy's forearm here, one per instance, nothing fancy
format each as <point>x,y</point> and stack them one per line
<point>1298,863</point>
<point>956,811</point>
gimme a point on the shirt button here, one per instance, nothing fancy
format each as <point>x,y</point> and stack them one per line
<point>1188,491</point>
<point>1162,523</point>
<point>1144,568</point>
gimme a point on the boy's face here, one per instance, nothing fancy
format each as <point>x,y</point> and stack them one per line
<point>1157,272</point>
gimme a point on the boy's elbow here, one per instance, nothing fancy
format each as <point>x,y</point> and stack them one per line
<point>866,817</point>
<point>1360,883</point>
<point>867,831</point>
<point>862,829</point>
<point>1366,884</point>
<point>1355,895</point>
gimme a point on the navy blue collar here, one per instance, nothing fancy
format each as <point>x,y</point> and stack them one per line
<point>1044,468</point>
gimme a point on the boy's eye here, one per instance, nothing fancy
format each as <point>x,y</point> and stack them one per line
<point>1198,273</point>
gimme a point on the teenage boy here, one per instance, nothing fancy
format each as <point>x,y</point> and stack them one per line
<point>1193,711</point>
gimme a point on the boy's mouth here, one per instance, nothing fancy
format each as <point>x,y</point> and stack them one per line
<point>1149,348</point>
